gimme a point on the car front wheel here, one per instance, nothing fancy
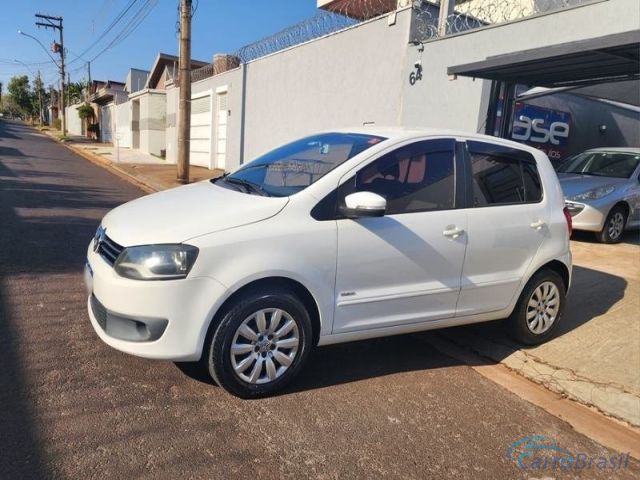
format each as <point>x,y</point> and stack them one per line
<point>260,344</point>
<point>613,226</point>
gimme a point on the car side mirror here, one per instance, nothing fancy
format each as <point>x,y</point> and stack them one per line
<point>364,204</point>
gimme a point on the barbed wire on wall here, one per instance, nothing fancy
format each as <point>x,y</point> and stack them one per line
<point>317,26</point>
<point>471,14</point>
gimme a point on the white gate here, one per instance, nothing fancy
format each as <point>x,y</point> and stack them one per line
<point>106,124</point>
<point>200,139</point>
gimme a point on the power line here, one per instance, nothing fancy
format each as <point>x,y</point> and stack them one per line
<point>130,27</point>
<point>111,26</point>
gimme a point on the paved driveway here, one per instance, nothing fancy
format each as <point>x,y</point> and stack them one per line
<point>73,408</point>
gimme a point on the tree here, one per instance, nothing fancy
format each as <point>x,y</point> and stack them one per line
<point>19,93</point>
<point>74,90</point>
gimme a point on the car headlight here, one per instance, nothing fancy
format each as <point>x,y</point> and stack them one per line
<point>594,194</point>
<point>156,262</point>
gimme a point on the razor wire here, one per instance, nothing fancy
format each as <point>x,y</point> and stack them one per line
<point>317,26</point>
<point>472,14</point>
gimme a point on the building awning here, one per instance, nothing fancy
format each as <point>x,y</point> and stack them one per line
<point>604,59</point>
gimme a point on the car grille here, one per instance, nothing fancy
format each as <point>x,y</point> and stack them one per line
<point>99,312</point>
<point>109,250</point>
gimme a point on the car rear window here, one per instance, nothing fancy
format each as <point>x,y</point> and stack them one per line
<point>503,176</point>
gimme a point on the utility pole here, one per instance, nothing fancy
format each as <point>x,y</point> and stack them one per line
<point>184,80</point>
<point>40,95</point>
<point>55,23</point>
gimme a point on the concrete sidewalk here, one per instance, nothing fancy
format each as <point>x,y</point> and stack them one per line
<point>595,356</point>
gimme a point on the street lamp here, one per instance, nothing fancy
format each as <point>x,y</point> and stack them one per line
<point>20,32</point>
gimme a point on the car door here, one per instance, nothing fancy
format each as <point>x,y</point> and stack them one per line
<point>506,225</point>
<point>404,267</point>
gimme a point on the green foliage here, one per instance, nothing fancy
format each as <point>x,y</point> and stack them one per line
<point>74,91</point>
<point>57,123</point>
<point>85,111</point>
<point>20,94</point>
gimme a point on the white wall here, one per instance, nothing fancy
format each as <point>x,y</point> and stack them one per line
<point>74,122</point>
<point>341,80</point>
<point>123,124</point>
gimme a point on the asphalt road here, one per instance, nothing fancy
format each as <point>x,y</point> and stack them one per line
<point>70,407</point>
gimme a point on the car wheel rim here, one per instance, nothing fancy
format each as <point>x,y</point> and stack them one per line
<point>543,308</point>
<point>264,346</point>
<point>616,224</point>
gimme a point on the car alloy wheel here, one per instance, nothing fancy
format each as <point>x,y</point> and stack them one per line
<point>615,226</point>
<point>264,346</point>
<point>543,307</point>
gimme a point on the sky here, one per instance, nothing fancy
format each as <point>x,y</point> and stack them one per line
<point>219,26</point>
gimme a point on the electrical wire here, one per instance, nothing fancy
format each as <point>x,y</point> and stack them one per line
<point>111,26</point>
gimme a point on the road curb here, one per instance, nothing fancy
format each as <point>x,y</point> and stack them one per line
<point>588,421</point>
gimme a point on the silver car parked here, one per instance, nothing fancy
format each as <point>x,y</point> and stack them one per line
<point>602,191</point>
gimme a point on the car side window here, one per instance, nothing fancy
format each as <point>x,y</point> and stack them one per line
<point>415,178</point>
<point>502,176</point>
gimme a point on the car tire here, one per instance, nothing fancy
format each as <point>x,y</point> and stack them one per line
<point>277,351</point>
<point>539,309</point>
<point>613,226</point>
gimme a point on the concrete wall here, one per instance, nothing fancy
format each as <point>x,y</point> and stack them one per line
<point>438,102</point>
<point>341,80</point>
<point>123,124</point>
<point>74,122</point>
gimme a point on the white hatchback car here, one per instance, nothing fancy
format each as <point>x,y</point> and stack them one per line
<point>336,237</point>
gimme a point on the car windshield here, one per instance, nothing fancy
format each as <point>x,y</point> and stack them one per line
<point>602,164</point>
<point>293,167</point>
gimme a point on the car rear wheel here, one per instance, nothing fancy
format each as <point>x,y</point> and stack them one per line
<point>613,226</point>
<point>539,309</point>
<point>261,344</point>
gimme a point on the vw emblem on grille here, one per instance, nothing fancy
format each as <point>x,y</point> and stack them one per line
<point>98,238</point>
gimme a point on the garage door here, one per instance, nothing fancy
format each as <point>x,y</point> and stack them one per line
<point>106,124</point>
<point>200,149</point>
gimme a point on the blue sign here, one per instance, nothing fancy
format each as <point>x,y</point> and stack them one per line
<point>542,128</point>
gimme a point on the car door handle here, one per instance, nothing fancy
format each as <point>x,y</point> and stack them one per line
<point>453,232</point>
<point>537,225</point>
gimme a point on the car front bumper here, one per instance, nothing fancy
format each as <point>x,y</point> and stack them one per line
<point>153,319</point>
<point>588,216</point>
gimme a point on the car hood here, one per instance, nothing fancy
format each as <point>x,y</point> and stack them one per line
<point>176,215</point>
<point>575,184</point>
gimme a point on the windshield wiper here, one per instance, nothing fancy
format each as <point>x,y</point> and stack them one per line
<point>248,186</point>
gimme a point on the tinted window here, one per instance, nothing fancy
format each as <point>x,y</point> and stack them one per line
<point>293,167</point>
<point>415,178</point>
<point>503,176</point>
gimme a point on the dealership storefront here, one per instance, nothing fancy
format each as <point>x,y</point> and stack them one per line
<point>565,98</point>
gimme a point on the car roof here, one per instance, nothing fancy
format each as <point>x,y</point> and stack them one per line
<point>632,150</point>
<point>407,133</point>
